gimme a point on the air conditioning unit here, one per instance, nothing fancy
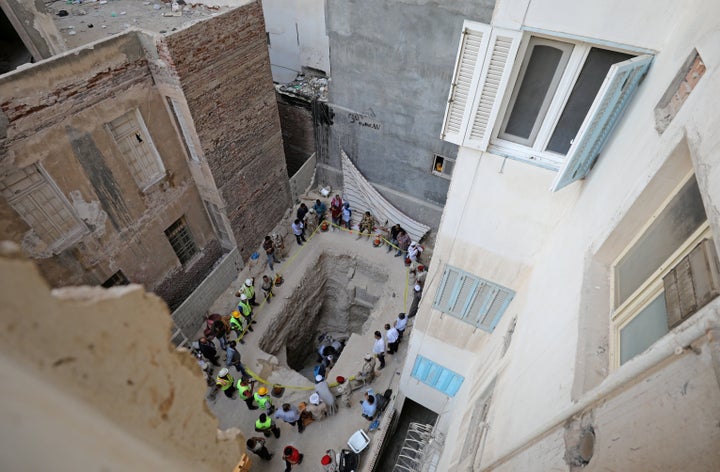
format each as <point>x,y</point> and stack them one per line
<point>692,283</point>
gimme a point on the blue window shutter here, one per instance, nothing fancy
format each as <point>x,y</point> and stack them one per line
<point>496,309</point>
<point>446,294</point>
<point>436,376</point>
<point>615,93</point>
<point>464,291</point>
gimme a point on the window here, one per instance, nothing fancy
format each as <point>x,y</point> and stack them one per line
<point>136,146</point>
<point>640,315</point>
<point>218,223</point>
<point>545,100</point>
<point>472,299</point>
<point>443,166</point>
<point>34,196</point>
<point>117,279</point>
<point>181,240</point>
<point>436,376</point>
<point>184,129</point>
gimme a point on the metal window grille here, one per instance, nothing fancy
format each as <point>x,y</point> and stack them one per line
<point>181,240</point>
<point>117,279</point>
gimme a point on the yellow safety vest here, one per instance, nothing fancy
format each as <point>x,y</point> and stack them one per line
<point>261,400</point>
<point>242,389</point>
<point>266,425</point>
<point>249,291</point>
<point>225,383</point>
<point>235,323</point>
<point>245,309</point>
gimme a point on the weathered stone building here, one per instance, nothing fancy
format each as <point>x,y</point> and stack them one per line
<point>145,158</point>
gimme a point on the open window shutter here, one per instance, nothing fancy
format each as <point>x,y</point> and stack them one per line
<point>495,311</point>
<point>492,83</point>
<point>473,46</point>
<point>615,93</point>
<point>446,290</point>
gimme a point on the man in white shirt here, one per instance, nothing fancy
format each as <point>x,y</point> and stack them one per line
<point>379,349</point>
<point>401,324</point>
<point>393,338</point>
<point>298,229</point>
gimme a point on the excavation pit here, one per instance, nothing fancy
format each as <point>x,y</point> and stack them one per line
<point>336,296</point>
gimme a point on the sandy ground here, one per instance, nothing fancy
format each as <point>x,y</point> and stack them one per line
<point>334,431</point>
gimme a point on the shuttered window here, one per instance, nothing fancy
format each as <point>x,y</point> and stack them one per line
<point>437,376</point>
<point>474,300</point>
<point>34,196</point>
<point>137,148</point>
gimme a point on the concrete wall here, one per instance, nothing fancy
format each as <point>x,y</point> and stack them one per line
<point>106,391</point>
<point>56,113</point>
<point>35,27</point>
<point>303,178</point>
<point>223,68</point>
<point>391,64</point>
<point>297,37</point>
<point>502,223</point>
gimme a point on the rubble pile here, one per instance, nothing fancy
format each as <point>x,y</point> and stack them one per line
<point>306,87</point>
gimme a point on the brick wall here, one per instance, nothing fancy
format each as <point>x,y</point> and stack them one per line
<point>224,70</point>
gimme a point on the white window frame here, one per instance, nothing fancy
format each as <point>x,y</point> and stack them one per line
<point>444,174</point>
<point>653,286</point>
<point>28,195</point>
<point>186,129</point>
<point>487,68</point>
<point>155,169</point>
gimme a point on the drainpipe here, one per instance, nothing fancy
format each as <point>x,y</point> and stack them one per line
<point>702,328</point>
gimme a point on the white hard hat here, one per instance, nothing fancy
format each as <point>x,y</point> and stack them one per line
<point>248,282</point>
<point>413,243</point>
<point>243,297</point>
<point>417,287</point>
<point>223,372</point>
<point>318,378</point>
<point>315,399</point>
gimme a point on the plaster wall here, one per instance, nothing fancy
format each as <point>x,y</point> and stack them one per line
<point>391,64</point>
<point>57,113</point>
<point>35,26</point>
<point>101,349</point>
<point>501,223</point>
<point>297,37</point>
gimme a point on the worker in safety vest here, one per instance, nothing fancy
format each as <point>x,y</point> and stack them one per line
<point>236,324</point>
<point>246,310</point>
<point>264,424</point>
<point>245,387</point>
<point>225,382</point>
<point>249,290</point>
<point>262,400</point>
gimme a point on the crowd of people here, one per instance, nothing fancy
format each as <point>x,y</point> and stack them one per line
<point>321,403</point>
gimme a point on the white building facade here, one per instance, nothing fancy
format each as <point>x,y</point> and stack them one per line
<point>571,315</point>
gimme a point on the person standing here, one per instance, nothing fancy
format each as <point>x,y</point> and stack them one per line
<point>393,338</point>
<point>298,229</point>
<point>224,382</point>
<point>245,388</point>
<point>263,400</point>
<point>269,248</point>
<point>379,349</point>
<point>414,252</point>
<point>257,446</point>
<point>403,243</point>
<point>316,407</point>
<point>291,456</point>
<point>367,372</point>
<point>394,231</point>
<point>246,311</point>
<point>302,212</point>
<point>267,286</point>
<point>236,325</point>
<point>347,215</point>
<point>290,415</point>
<point>323,389</point>
<point>336,208</point>
<point>264,424</point>
<point>207,348</point>
<point>367,223</point>
<point>232,358</point>
<point>401,324</point>
<point>320,208</point>
<point>417,295</point>
<point>249,290</point>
